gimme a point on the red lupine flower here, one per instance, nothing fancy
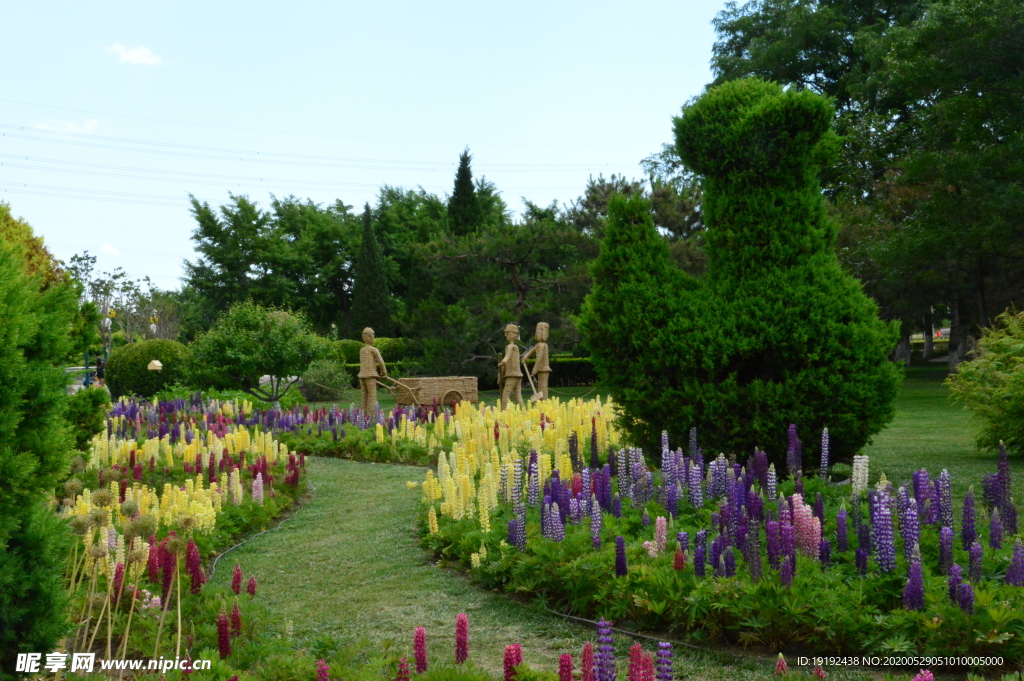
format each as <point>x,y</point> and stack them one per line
<point>236,620</point>
<point>680,560</point>
<point>236,579</point>
<point>223,635</point>
<point>636,654</point>
<point>461,638</point>
<point>251,586</point>
<point>647,667</point>
<point>565,667</point>
<point>419,648</point>
<point>403,670</point>
<point>587,662</point>
<point>513,658</point>
<point>193,564</point>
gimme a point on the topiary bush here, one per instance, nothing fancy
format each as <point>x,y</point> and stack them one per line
<point>86,411</point>
<point>992,384</point>
<point>127,372</point>
<point>776,333</point>
<point>326,380</point>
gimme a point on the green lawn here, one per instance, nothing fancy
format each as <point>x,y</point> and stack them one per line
<point>349,564</point>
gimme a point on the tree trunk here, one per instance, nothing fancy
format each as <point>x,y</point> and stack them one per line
<point>929,336</point>
<point>902,351</point>
<point>956,336</point>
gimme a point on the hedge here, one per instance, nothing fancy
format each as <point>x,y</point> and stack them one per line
<point>127,373</point>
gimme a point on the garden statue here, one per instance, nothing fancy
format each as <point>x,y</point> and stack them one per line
<point>369,361</point>
<point>541,365</point>
<point>510,376</point>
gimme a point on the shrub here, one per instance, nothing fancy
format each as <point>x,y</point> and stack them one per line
<point>346,351</point>
<point>325,380</point>
<point>178,392</point>
<point>776,333</point>
<point>86,410</point>
<point>992,384</point>
<point>127,373</point>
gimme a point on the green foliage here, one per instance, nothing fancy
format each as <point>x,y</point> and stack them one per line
<point>464,212</point>
<point>346,351</point>
<point>183,392</point>
<point>992,384</point>
<point>127,373</point>
<point>86,411</point>
<point>35,337</point>
<point>325,380</point>
<point>251,341</point>
<point>358,445</point>
<point>776,333</point>
<point>371,297</point>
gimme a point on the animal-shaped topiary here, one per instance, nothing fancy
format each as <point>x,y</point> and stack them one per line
<point>777,332</point>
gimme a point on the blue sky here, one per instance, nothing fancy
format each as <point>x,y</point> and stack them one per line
<point>112,113</point>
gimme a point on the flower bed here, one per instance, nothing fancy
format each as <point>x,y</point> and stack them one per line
<point>715,550</point>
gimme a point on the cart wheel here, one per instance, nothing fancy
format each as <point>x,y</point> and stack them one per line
<point>451,397</point>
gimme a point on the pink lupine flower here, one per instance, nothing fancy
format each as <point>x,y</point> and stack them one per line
<point>661,533</point>
<point>223,635</point>
<point>565,667</point>
<point>924,675</point>
<point>780,666</point>
<point>587,662</point>
<point>818,672</point>
<point>236,579</point>
<point>461,638</point>
<point>251,586</point>
<point>403,670</point>
<point>513,658</point>
<point>419,647</point>
<point>323,672</point>
<point>257,489</point>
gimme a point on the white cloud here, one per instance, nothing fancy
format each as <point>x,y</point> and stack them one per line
<point>134,55</point>
<point>57,125</point>
<point>107,248</point>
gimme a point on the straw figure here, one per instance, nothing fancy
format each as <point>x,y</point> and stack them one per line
<point>541,365</point>
<point>369,361</point>
<point>510,376</point>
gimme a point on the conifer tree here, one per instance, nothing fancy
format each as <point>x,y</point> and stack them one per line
<point>464,211</point>
<point>371,297</point>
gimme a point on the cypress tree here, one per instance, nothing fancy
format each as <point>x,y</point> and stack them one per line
<point>464,211</point>
<point>371,297</point>
<point>776,333</point>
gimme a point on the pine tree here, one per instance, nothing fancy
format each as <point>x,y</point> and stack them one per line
<point>371,298</point>
<point>464,211</point>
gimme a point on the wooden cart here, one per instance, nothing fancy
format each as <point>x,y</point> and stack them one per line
<point>445,389</point>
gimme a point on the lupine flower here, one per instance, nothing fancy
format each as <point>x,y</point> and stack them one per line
<point>786,574</point>
<point>645,519</point>
<point>257,489</point>
<point>780,666</point>
<point>621,569</point>
<point>885,549</point>
<point>842,540</point>
<point>323,671</point>
<point>193,564</point>
<point>565,667</point>
<point>660,533</point>
<point>774,536</point>
<point>587,662</point>
<point>771,488</point>
<point>995,530</point>
<point>700,544</point>
<point>665,661</point>
<point>861,560</point>
<point>513,658</point>
<point>236,579</point>
<point>968,532</point>
<point>859,474</point>
<point>403,670</point>
<point>965,597</point>
<point>956,576</point>
<point>945,500</point>
<point>636,654</point>
<point>1015,573</point>
<point>729,562</point>
<point>605,652</point>
<point>945,549</point>
<point>910,528</point>
<point>461,638</point>
<point>695,486</point>
<point>823,469</point>
<point>419,649</point>
<point>794,454</point>
<point>913,591</point>
<point>715,558</point>
<point>223,635</point>
<point>922,493</point>
<point>679,562</point>
<point>646,667</point>
<point>250,588</point>
<point>923,675</point>
<point>974,562</point>
<point>236,620</point>
<point>825,553</point>
<point>595,523</point>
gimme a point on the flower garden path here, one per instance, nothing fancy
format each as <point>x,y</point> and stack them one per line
<point>349,565</point>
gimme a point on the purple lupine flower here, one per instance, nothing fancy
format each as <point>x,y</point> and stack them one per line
<point>595,522</point>
<point>825,553</point>
<point>729,562</point>
<point>788,534</point>
<point>990,490</point>
<point>922,493</point>
<point>945,549</point>
<point>1009,517</point>
<point>974,562</point>
<point>786,574</point>
<point>700,544</point>
<point>913,591</point>
<point>1015,573</point>
<point>861,560</point>
<point>683,539</point>
<point>665,662</point>
<point>574,511</point>
<point>945,500</point>
<point>512,532</point>
<point>819,508</point>
<point>956,575</point>
<point>557,530</point>
<point>755,504</point>
<point>517,481</point>
<point>774,546</point>
<point>965,597</point>
<point>968,531</point>
<point>645,518</point>
<point>533,484</point>
<point>995,530</point>
<point>617,506</point>
<point>882,539</point>
<point>621,569</point>
<point>672,500</point>
<point>842,541</point>
<point>605,652</point>
<point>717,544</point>
<point>759,467</point>
<point>910,528</point>
<point>794,455</point>
<point>752,552</point>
